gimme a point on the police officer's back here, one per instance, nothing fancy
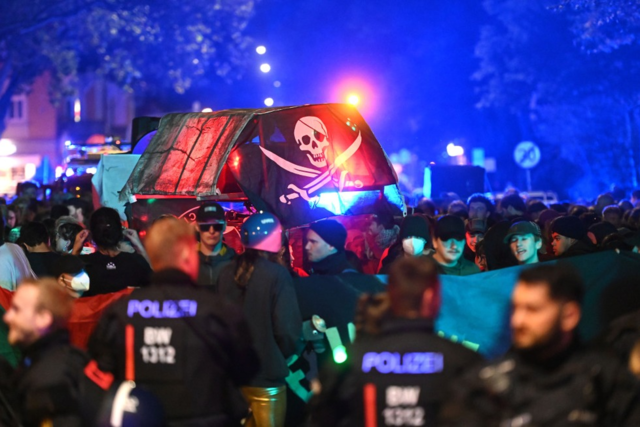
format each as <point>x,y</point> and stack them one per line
<point>548,378</point>
<point>177,338</point>
<point>396,375</point>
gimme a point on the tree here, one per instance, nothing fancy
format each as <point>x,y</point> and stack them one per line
<point>603,25</point>
<point>578,103</point>
<point>138,45</point>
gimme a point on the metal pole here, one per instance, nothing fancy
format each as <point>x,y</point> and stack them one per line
<point>529,180</point>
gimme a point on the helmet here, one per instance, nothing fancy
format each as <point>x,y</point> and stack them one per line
<point>262,231</point>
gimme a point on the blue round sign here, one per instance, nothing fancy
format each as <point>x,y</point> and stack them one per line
<point>526,154</point>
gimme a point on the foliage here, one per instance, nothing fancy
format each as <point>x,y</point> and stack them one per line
<point>575,96</point>
<point>602,25</point>
<point>139,45</point>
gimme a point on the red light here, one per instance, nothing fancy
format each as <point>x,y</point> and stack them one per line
<point>360,91</point>
<point>236,162</point>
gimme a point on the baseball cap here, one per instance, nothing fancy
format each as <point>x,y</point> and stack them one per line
<point>449,227</point>
<point>476,226</point>
<point>522,227</point>
<point>414,226</point>
<point>210,212</point>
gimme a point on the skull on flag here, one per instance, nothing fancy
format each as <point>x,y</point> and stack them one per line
<point>311,135</point>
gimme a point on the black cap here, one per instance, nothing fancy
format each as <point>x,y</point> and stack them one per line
<point>210,212</point>
<point>332,232</point>
<point>476,226</point>
<point>522,227</point>
<point>414,226</point>
<point>569,226</point>
<point>450,227</point>
<point>69,264</point>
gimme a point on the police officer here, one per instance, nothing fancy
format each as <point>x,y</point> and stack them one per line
<point>548,379</point>
<point>176,338</point>
<point>397,374</point>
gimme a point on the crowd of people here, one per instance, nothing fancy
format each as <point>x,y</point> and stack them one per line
<point>213,324</point>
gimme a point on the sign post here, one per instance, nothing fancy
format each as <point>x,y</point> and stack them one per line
<point>527,155</point>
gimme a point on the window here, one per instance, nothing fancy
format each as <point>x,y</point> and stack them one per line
<point>18,109</point>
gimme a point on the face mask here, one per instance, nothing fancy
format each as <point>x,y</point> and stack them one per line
<point>62,245</point>
<point>413,245</point>
<point>80,283</point>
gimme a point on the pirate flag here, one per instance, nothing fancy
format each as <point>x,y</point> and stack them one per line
<point>312,162</point>
<point>300,163</point>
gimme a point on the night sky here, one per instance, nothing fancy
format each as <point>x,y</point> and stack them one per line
<point>410,63</point>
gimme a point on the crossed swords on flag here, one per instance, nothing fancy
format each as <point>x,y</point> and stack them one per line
<point>321,178</point>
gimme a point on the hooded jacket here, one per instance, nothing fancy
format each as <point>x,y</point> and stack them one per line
<point>212,265</point>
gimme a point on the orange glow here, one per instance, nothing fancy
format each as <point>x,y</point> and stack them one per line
<point>236,161</point>
<point>359,92</point>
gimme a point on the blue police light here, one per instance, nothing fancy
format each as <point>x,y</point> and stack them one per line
<point>340,203</point>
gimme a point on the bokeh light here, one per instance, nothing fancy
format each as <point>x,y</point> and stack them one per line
<point>265,68</point>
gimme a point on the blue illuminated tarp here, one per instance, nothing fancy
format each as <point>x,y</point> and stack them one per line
<point>475,309</point>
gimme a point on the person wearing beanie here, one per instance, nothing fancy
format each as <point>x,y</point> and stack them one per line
<point>448,242</point>
<point>214,254</point>
<point>325,248</point>
<point>525,240</point>
<point>569,237</point>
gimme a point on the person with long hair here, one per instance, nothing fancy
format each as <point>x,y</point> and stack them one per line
<point>265,291</point>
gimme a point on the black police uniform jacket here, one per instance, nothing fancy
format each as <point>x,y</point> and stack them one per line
<point>579,387</point>
<point>182,343</point>
<point>47,382</point>
<point>398,378</point>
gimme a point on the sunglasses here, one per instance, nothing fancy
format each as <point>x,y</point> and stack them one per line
<point>206,227</point>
